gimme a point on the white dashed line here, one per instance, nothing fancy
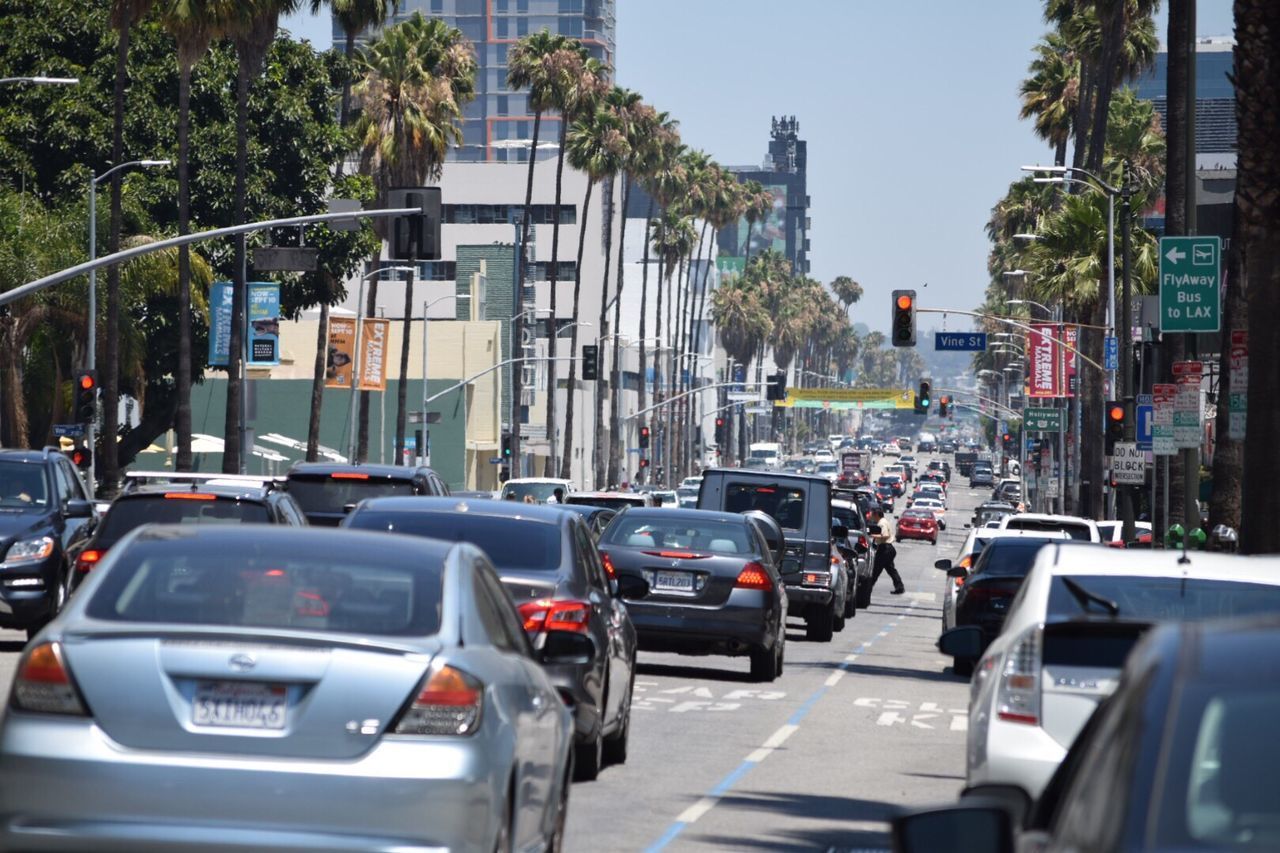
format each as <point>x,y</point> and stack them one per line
<point>779,737</point>
<point>834,678</point>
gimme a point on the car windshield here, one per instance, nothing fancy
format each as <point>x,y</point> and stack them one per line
<point>327,493</point>
<point>1075,531</point>
<point>513,544</point>
<point>23,487</point>
<point>1011,557</point>
<point>540,492</point>
<point>643,530</point>
<point>783,503</point>
<point>827,468</point>
<point>1172,599</point>
<point>345,589</point>
<point>176,508</point>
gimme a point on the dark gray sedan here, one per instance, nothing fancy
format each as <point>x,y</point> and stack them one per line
<point>713,585</point>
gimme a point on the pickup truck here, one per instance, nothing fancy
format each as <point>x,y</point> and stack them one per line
<point>964,462</point>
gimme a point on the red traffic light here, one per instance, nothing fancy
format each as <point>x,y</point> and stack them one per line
<point>1115,412</point>
<point>719,422</point>
<point>904,302</point>
<point>87,381</point>
<point>644,463</point>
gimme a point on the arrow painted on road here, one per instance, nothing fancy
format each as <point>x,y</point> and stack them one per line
<point>1174,255</point>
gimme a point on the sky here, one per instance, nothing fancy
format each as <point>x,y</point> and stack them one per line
<point>909,108</point>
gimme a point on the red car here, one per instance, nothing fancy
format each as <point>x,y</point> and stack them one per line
<point>918,524</point>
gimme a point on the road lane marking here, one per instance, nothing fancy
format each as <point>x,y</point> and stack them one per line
<point>834,678</point>
<point>779,737</point>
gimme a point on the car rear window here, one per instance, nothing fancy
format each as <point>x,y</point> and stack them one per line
<point>1075,531</point>
<point>345,590</point>
<point>785,504</point>
<point>513,544</point>
<point>919,513</point>
<point>332,494</point>
<point>1010,557</point>
<point>540,492</point>
<point>607,503</point>
<point>176,508</point>
<point>1162,599</point>
<point>647,531</point>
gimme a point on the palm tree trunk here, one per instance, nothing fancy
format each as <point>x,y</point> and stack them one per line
<point>615,378</point>
<point>643,396</point>
<point>746,249</point>
<point>231,426</point>
<point>362,427</point>
<point>659,386</point>
<point>1081,123</point>
<point>111,382</point>
<point>601,447</point>
<point>1228,453</point>
<point>553,341</point>
<point>1112,38</point>
<point>182,416</point>
<point>566,459</point>
<point>402,390</point>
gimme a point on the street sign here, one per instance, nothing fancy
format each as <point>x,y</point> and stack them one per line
<point>1144,413</point>
<point>286,259</point>
<point>1162,400</point>
<point>495,460</point>
<point>1190,284</point>
<point>69,430</point>
<point>758,410</point>
<point>415,417</point>
<point>743,396</point>
<point>959,341</point>
<point>1111,353</point>
<point>1129,464</point>
<point>1238,402</point>
<point>1187,421</point>
<point>1039,419</point>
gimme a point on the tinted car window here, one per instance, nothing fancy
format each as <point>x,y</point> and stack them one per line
<point>511,544</point>
<point>846,517</point>
<point>350,591</point>
<point>130,513</point>
<point>1009,557</point>
<point>23,486</point>
<point>607,503</point>
<point>919,513</point>
<point>329,494</point>
<point>539,491</point>
<point>1165,599</point>
<point>784,503</point>
<point>716,537</point>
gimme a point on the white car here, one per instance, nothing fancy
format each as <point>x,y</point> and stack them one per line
<point>1065,639</point>
<point>691,482</point>
<point>824,456</point>
<point>1111,530</point>
<point>935,490</point>
<point>1084,529</point>
<point>830,470</point>
<point>541,489</point>
<point>891,449</point>
<point>938,507</point>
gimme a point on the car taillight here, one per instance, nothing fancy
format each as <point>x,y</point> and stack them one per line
<point>817,579</point>
<point>1018,696</point>
<point>449,702</point>
<point>547,615</point>
<point>608,565</point>
<point>863,541</point>
<point>43,683</point>
<point>88,559</point>
<point>753,576</point>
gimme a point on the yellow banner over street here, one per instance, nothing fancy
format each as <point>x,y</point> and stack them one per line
<point>848,398</point>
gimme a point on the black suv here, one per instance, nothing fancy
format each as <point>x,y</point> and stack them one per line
<point>45,518</point>
<point>815,573</point>
<point>327,491</point>
<point>170,498</point>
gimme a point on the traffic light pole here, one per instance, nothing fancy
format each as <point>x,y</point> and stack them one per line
<point>1124,328</point>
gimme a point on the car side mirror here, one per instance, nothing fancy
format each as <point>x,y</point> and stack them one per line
<point>78,509</point>
<point>566,647</point>
<point>956,571</point>
<point>962,642</point>
<point>942,564</point>
<point>971,827</point>
<point>629,587</point>
<point>347,508</point>
<point>967,525</point>
<point>839,531</point>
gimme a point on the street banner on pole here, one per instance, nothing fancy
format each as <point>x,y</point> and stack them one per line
<point>373,354</point>
<point>342,344</point>
<point>264,324</point>
<point>1187,424</point>
<point>1239,400</point>
<point>1190,284</point>
<point>1042,350</point>
<point>1071,337</point>
<point>1163,397</point>
<point>1111,353</point>
<point>220,296</point>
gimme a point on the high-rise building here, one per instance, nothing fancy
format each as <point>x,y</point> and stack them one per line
<point>783,173</point>
<point>499,124</point>
<point>1215,99</point>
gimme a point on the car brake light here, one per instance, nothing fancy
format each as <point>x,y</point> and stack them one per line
<point>43,683</point>
<point>348,475</point>
<point>676,555</point>
<point>608,565</point>
<point>448,703</point>
<point>547,615</point>
<point>1018,698</point>
<point>88,559</point>
<point>753,576</point>
<point>189,496</point>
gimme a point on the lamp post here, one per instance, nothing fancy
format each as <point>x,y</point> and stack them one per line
<point>91,432</point>
<point>355,359</point>
<point>41,80</point>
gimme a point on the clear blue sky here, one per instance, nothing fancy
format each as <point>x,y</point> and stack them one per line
<point>910,109</point>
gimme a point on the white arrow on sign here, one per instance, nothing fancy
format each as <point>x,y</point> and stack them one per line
<point>1174,255</point>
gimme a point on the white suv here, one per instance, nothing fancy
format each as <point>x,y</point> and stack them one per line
<point>1084,529</point>
<point>1065,639</point>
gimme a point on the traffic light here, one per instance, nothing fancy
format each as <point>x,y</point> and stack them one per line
<point>590,361</point>
<point>644,438</point>
<point>1115,425</point>
<point>506,446</point>
<point>415,236</point>
<point>82,457</point>
<point>644,462</point>
<point>923,398</point>
<point>903,328</point>
<point>720,431</point>
<point>85,402</point>
<point>777,389</point>
<point>1006,441</point>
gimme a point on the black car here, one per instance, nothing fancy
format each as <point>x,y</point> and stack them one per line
<point>596,517</point>
<point>1181,757</point>
<point>941,466</point>
<point>814,571</point>
<point>990,511</point>
<point>45,518</point>
<point>713,585</point>
<point>327,491</point>
<point>186,499</point>
<point>550,566</point>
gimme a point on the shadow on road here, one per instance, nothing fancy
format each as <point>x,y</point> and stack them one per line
<point>710,673</point>
<point>851,818</point>
<point>899,672</point>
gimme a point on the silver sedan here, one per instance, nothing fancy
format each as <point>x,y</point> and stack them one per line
<point>269,688</point>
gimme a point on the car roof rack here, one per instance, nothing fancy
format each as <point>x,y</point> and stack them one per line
<point>134,479</point>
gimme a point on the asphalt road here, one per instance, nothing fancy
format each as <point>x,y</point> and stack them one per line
<point>853,730</point>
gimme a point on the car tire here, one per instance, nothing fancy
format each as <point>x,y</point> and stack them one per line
<point>962,667</point>
<point>615,745</point>
<point>587,759</point>
<point>837,623</point>
<point>820,627</point>
<point>764,664</point>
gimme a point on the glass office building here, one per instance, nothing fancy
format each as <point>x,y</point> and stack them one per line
<point>1215,96</point>
<point>499,125</point>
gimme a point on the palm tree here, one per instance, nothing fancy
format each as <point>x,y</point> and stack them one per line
<point>1051,94</point>
<point>674,236</point>
<point>741,316</point>
<point>354,16</point>
<point>596,145</point>
<point>759,202</point>
<point>663,139</point>
<point>847,291</point>
<point>415,80</point>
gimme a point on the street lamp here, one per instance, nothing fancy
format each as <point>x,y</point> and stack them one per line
<point>91,431</point>
<point>1028,302</point>
<point>41,80</point>
<point>355,358</point>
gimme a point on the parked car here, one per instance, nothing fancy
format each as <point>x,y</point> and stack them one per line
<point>814,571</point>
<point>918,524</point>
<point>850,515</point>
<point>1085,529</point>
<point>549,564</point>
<point>327,491</point>
<point>45,519</point>
<point>713,585</point>
<point>1066,636</point>
<point>1181,757</point>
<point>1008,490</point>
<point>171,498</point>
<point>541,489</point>
<point>271,688</point>
<point>610,500</point>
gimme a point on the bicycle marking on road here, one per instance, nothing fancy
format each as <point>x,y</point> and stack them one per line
<point>682,700</point>
<point>897,712</point>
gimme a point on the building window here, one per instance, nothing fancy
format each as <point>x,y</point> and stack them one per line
<point>502,28</point>
<point>522,6</point>
<point>522,24</point>
<point>503,105</point>
<point>437,7</point>
<point>500,6</point>
<point>570,7</point>
<point>571,27</point>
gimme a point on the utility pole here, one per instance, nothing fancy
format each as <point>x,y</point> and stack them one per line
<point>1125,330</point>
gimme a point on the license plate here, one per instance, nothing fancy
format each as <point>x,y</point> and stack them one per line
<point>239,705</point>
<point>673,581</point>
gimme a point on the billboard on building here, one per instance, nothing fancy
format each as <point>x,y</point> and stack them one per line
<point>342,347</point>
<point>769,233</point>
<point>373,354</point>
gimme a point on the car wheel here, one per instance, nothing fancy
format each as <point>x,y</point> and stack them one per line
<point>764,664</point>
<point>587,759</point>
<point>819,628</point>
<point>615,745</point>
<point>837,623</point>
<point>962,667</point>
<point>864,595</point>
